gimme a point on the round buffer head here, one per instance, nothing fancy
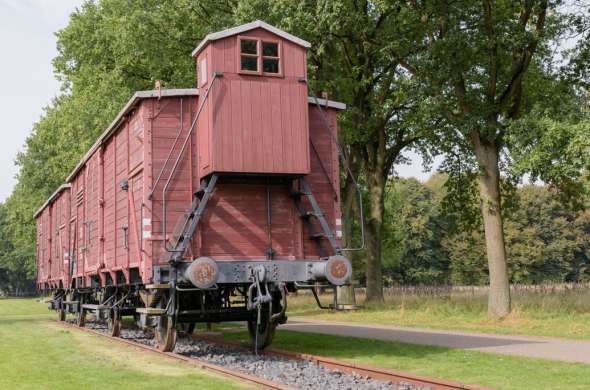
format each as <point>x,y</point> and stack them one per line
<point>203,272</point>
<point>338,270</point>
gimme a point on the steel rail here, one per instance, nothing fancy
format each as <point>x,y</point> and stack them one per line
<point>260,383</point>
<point>377,373</point>
<point>380,374</point>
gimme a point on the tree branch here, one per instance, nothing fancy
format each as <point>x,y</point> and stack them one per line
<point>522,62</point>
<point>493,51</point>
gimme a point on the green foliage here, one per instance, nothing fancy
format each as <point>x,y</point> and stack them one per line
<point>546,240</point>
<point>414,225</point>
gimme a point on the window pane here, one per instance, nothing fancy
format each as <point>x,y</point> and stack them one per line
<point>270,49</point>
<point>249,63</point>
<point>270,65</point>
<point>249,46</point>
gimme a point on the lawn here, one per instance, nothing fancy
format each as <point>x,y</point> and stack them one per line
<point>553,314</point>
<point>38,353</point>
<point>487,369</point>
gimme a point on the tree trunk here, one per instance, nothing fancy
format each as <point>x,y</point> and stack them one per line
<point>490,205</point>
<point>373,234</point>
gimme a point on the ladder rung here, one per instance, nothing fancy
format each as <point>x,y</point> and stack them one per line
<point>317,236</point>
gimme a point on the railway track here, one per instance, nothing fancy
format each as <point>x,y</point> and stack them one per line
<point>228,359</point>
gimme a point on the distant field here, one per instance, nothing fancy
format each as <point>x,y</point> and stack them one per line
<point>38,353</point>
<point>552,313</point>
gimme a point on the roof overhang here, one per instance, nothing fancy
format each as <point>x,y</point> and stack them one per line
<point>137,96</point>
<point>60,189</point>
<point>247,27</point>
<point>135,99</point>
<point>326,103</point>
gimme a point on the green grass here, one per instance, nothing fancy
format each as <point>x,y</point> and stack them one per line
<point>556,314</point>
<point>39,353</point>
<point>486,369</point>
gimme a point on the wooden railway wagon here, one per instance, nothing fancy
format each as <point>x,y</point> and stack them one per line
<point>203,205</point>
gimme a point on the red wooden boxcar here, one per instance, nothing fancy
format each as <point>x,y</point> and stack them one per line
<point>203,205</point>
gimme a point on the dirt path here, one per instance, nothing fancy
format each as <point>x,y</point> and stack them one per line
<point>577,351</point>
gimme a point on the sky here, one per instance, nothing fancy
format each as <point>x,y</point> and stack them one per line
<point>27,82</point>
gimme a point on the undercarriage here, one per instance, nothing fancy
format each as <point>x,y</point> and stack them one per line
<point>187,293</point>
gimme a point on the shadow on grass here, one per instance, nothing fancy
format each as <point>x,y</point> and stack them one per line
<point>340,347</point>
<point>7,320</point>
<point>421,337</point>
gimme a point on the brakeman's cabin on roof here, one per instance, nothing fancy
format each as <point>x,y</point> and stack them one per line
<point>256,120</point>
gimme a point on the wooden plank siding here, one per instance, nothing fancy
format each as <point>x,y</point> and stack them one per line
<point>86,221</point>
<point>254,123</point>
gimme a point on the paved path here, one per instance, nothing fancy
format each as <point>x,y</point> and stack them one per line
<point>539,347</point>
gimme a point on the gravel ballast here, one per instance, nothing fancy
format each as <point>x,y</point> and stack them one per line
<point>301,374</point>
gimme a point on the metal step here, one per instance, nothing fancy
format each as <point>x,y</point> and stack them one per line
<point>158,286</point>
<point>326,231</point>
<point>199,194</point>
<point>89,306</point>
<point>150,311</point>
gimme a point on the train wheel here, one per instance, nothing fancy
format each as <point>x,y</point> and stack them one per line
<point>165,334</point>
<point>114,323</point>
<point>261,336</point>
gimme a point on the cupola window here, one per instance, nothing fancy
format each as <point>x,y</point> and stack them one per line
<point>270,57</point>
<point>249,55</point>
<point>259,57</point>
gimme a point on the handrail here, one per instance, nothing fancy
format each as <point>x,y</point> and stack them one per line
<point>175,166</point>
<point>169,153</point>
<point>348,170</point>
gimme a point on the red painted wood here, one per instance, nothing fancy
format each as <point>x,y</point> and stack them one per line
<point>235,223</point>
<point>253,123</point>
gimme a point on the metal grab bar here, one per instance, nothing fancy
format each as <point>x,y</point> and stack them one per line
<point>175,166</point>
<point>347,166</point>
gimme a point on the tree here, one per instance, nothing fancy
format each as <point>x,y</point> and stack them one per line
<point>351,58</point>
<point>17,266</point>
<point>485,64</point>
<point>414,230</point>
<point>546,241</point>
